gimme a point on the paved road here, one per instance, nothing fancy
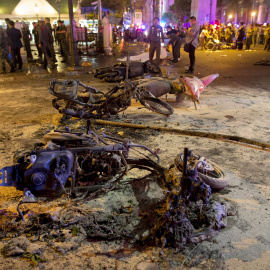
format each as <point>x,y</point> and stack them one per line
<point>236,103</point>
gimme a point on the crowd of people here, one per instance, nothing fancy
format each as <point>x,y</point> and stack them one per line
<point>208,37</point>
<point>44,35</point>
<point>213,37</point>
<point>129,34</point>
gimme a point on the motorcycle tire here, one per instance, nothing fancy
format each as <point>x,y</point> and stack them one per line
<point>151,67</point>
<point>108,75</point>
<point>156,105</point>
<point>217,179</point>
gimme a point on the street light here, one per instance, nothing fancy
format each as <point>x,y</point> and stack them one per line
<point>253,15</point>
<point>230,16</point>
<point>58,2</point>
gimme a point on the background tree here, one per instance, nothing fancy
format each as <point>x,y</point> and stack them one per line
<point>181,9</point>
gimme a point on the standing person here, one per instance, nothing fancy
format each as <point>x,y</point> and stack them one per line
<point>61,32</point>
<point>155,34</point>
<point>249,36</point>
<point>266,36</point>
<point>15,36</point>
<point>176,45</point>
<point>126,35</point>
<point>114,34</point>
<point>255,34</point>
<point>221,33</point>
<point>54,32</point>
<point>35,34</point>
<point>7,20</point>
<point>4,52</point>
<point>119,34</point>
<point>267,40</point>
<point>240,36</point>
<point>27,37</point>
<point>228,35</point>
<point>203,38</point>
<point>261,34</point>
<point>192,38</point>
<point>51,48</point>
<point>44,42</point>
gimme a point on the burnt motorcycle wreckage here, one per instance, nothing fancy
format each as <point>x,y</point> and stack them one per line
<point>122,71</point>
<point>67,162</point>
<point>183,87</point>
<point>190,214</point>
<point>88,102</point>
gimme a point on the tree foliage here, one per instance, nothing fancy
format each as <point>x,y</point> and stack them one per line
<point>169,17</point>
<point>181,8</point>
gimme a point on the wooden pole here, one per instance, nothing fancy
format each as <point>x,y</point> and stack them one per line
<point>221,137</point>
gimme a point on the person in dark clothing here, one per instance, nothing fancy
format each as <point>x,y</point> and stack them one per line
<point>15,36</point>
<point>176,44</point>
<point>61,33</point>
<point>26,35</point>
<point>170,30</point>
<point>267,41</point>
<point>155,34</point>
<point>249,35</point>
<point>240,36</point>
<point>43,42</point>
<point>4,51</point>
<point>114,34</point>
<point>35,34</point>
<point>192,38</point>
<point>51,48</point>
<point>7,20</point>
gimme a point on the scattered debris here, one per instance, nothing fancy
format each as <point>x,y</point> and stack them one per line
<point>86,64</point>
<point>263,62</point>
<point>189,216</point>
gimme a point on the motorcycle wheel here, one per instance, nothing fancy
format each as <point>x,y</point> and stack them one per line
<point>108,75</point>
<point>156,105</point>
<point>216,178</point>
<point>152,67</point>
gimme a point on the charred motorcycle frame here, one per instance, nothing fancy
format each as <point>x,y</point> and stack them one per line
<point>92,103</point>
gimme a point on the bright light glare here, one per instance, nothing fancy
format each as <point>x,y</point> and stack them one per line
<point>20,11</point>
<point>51,10</point>
<point>230,16</point>
<point>253,13</point>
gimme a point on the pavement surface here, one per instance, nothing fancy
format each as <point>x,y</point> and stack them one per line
<point>236,103</point>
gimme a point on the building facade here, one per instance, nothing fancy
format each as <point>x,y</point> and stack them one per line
<point>204,11</point>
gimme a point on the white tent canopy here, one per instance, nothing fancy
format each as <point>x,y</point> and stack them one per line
<point>40,8</point>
